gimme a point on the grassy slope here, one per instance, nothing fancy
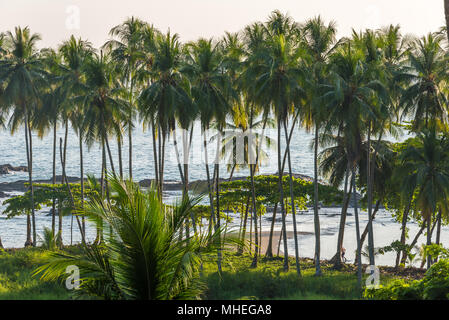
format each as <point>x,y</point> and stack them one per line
<point>238,281</point>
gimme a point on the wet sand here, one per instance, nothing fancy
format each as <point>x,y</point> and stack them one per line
<point>276,235</point>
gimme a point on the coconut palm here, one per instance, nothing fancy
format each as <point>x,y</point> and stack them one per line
<point>425,169</point>
<point>350,93</point>
<point>74,53</point>
<point>424,99</point>
<point>99,97</point>
<point>127,52</point>
<point>276,81</point>
<point>320,42</point>
<point>211,93</point>
<point>164,98</point>
<point>22,73</point>
<point>49,114</point>
<point>145,257</point>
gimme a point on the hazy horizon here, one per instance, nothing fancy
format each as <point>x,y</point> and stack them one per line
<point>56,20</point>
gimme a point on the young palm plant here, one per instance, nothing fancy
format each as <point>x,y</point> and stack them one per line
<point>145,256</point>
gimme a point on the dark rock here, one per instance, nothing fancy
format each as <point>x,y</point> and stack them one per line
<point>7,169</point>
<point>4,195</point>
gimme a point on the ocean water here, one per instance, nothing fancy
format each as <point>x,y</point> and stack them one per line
<point>12,150</point>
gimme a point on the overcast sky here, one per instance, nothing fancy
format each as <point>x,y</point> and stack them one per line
<point>56,20</point>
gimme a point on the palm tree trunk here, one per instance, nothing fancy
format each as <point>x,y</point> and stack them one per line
<point>130,150</point>
<point>178,160</point>
<point>403,232</point>
<point>292,200</point>
<point>29,241</point>
<point>269,252</point>
<point>53,207</point>
<point>156,170</point>
<point>253,196</point>
<point>357,231</point>
<point>120,158</point>
<point>316,216</point>
<point>111,161</point>
<point>245,219</point>
<point>370,204</point>
<point>429,241</point>
<point>365,231</point>
<point>209,186</point>
<point>413,243</point>
<point>281,199</point>
<point>82,178</point>
<point>446,14</point>
<point>341,230</point>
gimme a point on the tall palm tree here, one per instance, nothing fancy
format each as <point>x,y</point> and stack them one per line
<point>320,43</point>
<point>211,92</point>
<point>425,167</point>
<point>277,78</point>
<point>424,100</point>
<point>127,52</point>
<point>48,116</point>
<point>350,93</point>
<point>74,53</point>
<point>166,96</point>
<point>23,73</point>
<point>99,97</point>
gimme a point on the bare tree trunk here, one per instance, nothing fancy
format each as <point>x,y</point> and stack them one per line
<point>365,231</point>
<point>403,232</point>
<point>120,158</point>
<point>29,241</point>
<point>357,231</point>
<point>82,178</point>
<point>156,171</point>
<point>53,207</point>
<point>281,199</point>
<point>370,202</point>
<point>341,230</point>
<point>130,150</point>
<point>292,201</point>
<point>413,243</point>
<point>253,196</point>
<point>316,216</point>
<point>269,252</point>
<point>446,14</point>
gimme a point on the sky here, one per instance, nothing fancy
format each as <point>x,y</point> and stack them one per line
<point>56,20</point>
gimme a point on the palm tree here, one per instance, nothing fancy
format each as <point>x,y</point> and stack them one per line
<point>350,95</point>
<point>166,96</point>
<point>276,80</point>
<point>424,99</point>
<point>211,93</point>
<point>23,73</point>
<point>128,54</point>
<point>145,257</point>
<point>74,53</point>
<point>48,116</point>
<point>99,97</point>
<point>320,43</point>
<point>425,167</point>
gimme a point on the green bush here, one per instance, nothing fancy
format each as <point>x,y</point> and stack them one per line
<point>434,286</point>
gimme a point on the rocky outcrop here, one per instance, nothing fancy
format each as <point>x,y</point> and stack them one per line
<point>7,169</point>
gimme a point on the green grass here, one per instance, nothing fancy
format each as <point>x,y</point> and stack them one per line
<point>268,281</point>
<point>238,280</point>
<point>17,282</point>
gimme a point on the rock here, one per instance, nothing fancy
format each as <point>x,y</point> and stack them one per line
<point>4,195</point>
<point>7,169</point>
